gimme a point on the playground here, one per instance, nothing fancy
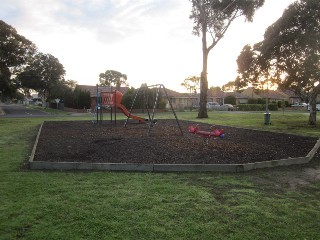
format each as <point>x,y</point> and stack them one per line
<point>146,144</point>
<point>167,143</point>
<point>118,205</point>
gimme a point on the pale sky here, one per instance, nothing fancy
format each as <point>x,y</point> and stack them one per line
<point>149,40</point>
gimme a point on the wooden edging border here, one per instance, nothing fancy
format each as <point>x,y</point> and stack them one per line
<point>132,167</point>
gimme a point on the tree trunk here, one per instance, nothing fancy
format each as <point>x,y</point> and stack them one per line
<point>203,80</point>
<point>118,85</point>
<point>313,108</point>
<point>203,96</point>
<point>44,96</point>
<point>312,117</point>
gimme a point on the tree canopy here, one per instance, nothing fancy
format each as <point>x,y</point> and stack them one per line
<point>23,68</point>
<point>252,71</point>
<point>113,78</point>
<point>191,84</point>
<point>289,55</point>
<point>213,18</point>
<point>15,50</point>
<point>43,73</point>
<point>229,87</point>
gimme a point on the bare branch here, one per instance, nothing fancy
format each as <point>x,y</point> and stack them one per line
<point>220,35</point>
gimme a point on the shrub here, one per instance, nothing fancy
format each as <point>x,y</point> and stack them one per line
<point>272,107</point>
<point>252,101</point>
<point>128,97</point>
<point>230,100</point>
<point>250,107</point>
<point>257,107</point>
<point>162,103</point>
<point>256,101</point>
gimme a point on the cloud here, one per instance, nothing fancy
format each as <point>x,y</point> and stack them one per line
<point>144,39</point>
<point>149,40</point>
<point>109,21</point>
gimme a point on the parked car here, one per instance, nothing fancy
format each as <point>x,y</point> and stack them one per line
<point>37,102</point>
<point>211,105</point>
<point>317,107</point>
<point>299,105</point>
<point>230,107</point>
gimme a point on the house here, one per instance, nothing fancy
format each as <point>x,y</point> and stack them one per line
<point>183,100</point>
<point>272,95</point>
<point>216,95</point>
<point>240,98</point>
<point>293,97</point>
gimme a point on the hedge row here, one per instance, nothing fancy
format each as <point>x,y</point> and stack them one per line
<point>257,107</point>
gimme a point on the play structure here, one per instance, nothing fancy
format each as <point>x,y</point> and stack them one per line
<point>111,100</point>
<point>215,133</point>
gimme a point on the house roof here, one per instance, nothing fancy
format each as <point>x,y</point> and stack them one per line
<point>273,94</point>
<point>93,89</point>
<point>216,93</point>
<point>172,93</point>
<point>250,93</point>
<point>291,93</point>
<point>236,94</point>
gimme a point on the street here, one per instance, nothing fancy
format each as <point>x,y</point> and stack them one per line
<point>17,110</point>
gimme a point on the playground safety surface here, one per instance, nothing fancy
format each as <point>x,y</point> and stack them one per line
<point>83,141</point>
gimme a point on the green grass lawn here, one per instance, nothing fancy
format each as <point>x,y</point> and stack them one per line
<point>281,203</point>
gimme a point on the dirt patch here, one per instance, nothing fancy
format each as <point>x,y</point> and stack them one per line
<point>83,141</point>
<point>300,179</point>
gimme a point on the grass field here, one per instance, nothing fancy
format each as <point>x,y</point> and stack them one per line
<point>281,203</point>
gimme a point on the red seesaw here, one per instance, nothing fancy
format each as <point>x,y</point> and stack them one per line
<point>206,134</point>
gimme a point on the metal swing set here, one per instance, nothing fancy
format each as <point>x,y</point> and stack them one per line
<point>151,115</point>
<point>112,101</point>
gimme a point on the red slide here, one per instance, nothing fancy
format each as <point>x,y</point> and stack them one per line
<point>125,111</point>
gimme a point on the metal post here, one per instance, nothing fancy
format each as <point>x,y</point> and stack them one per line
<point>174,113</point>
<point>146,105</point>
<point>125,124</point>
<point>267,115</point>
<point>97,104</point>
<point>153,110</point>
<point>115,107</point>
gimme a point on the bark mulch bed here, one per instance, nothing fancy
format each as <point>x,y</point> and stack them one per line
<point>83,141</point>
